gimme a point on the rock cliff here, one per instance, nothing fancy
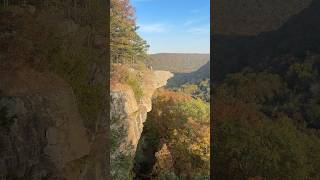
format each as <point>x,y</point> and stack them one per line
<point>42,133</point>
<point>53,122</point>
<point>128,115</point>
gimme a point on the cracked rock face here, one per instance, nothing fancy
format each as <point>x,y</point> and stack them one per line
<point>46,131</point>
<point>132,114</point>
<point>125,106</point>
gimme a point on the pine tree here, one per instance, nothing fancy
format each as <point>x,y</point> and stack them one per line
<point>125,44</point>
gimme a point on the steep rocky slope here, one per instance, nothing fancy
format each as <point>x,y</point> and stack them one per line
<point>127,118</point>
<point>44,136</point>
<point>53,122</point>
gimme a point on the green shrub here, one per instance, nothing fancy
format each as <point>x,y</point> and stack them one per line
<point>168,176</point>
<point>134,83</point>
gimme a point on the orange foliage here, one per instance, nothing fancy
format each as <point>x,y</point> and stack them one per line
<point>166,95</point>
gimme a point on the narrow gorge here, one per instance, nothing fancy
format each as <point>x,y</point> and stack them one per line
<point>127,114</point>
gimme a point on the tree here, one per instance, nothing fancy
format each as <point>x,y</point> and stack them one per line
<point>126,46</point>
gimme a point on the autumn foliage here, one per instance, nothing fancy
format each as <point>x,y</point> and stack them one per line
<point>126,46</point>
<point>266,124</point>
<point>182,123</point>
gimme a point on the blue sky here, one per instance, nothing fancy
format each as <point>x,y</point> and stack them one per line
<point>174,26</point>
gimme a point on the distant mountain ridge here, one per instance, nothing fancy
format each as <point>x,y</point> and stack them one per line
<point>250,17</point>
<point>178,62</point>
<point>233,53</point>
<point>192,77</point>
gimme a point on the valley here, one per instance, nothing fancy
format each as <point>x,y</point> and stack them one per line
<point>193,87</point>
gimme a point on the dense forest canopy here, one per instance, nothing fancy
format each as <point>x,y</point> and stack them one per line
<point>181,123</point>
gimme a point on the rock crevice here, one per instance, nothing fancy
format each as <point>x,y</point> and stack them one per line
<point>128,115</point>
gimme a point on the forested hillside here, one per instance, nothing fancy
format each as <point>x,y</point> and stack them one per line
<point>179,125</point>
<point>178,62</point>
<point>266,102</point>
<point>295,37</point>
<point>192,77</point>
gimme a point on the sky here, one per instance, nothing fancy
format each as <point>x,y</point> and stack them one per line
<point>174,26</point>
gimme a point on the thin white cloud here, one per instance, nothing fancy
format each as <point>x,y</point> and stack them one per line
<point>199,30</point>
<point>153,28</point>
<point>198,20</point>
<point>189,22</point>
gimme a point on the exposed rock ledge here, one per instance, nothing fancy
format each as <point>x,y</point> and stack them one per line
<point>132,114</point>
<point>47,133</point>
<point>46,138</point>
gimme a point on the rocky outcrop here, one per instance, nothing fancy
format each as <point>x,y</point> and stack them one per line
<point>53,122</point>
<point>42,133</point>
<point>128,115</point>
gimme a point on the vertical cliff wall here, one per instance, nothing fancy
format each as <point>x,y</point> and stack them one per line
<point>42,133</point>
<point>127,117</point>
<point>53,124</point>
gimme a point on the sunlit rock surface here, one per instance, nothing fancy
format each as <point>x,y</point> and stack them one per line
<point>46,133</point>
<point>128,115</point>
